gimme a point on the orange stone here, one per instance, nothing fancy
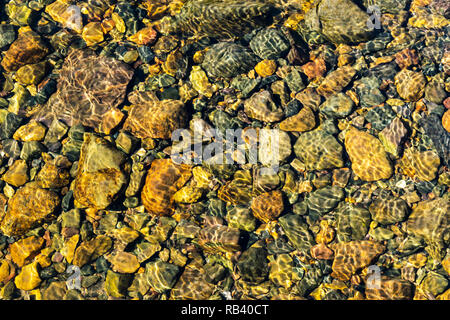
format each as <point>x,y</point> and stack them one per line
<point>314,69</point>
<point>28,48</point>
<point>28,208</point>
<point>110,120</point>
<point>446,120</point>
<point>144,36</point>
<point>163,180</point>
<point>268,206</point>
<point>156,119</point>
<point>25,249</point>
<point>322,252</point>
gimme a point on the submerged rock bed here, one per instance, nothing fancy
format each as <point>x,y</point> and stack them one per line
<point>93,206</point>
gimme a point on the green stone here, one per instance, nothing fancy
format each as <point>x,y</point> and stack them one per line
<point>7,34</point>
<point>324,200</point>
<point>241,218</point>
<point>294,81</point>
<point>161,275</point>
<point>116,284</point>
<point>352,222</point>
<point>56,132</point>
<point>337,106</point>
<point>31,150</point>
<point>126,142</point>
<point>253,265</point>
<point>71,219</point>
<point>297,232</point>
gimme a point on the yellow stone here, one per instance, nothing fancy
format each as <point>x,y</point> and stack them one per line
<point>200,82</point>
<point>326,233</point>
<point>125,234</point>
<point>444,296</point>
<point>144,36</point>
<point>187,194</point>
<point>44,259</point>
<point>68,251</point>
<point>28,278</point>
<point>25,249</point>
<point>422,165</point>
<point>367,154</point>
<point>418,260</point>
<point>31,73</point>
<point>32,131</point>
<point>395,102</point>
<point>4,270</point>
<point>446,264</point>
<point>301,122</point>
<point>124,262</point>
<point>266,68</point>
<point>120,24</point>
<point>202,177</point>
<point>8,191</point>
<point>92,33</point>
<point>293,20</point>
<point>36,294</point>
<point>68,15</point>
<point>199,56</point>
<point>17,174</point>
<point>446,120</point>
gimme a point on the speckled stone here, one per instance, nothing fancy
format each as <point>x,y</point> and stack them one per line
<point>28,208</point>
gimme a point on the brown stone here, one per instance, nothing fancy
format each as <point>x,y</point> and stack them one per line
<point>156,119</point>
<point>90,250</point>
<point>100,177</point>
<point>406,58</point>
<point>303,121</point>
<point>336,80</point>
<point>25,249</point>
<point>88,86</point>
<point>390,289</point>
<point>410,84</point>
<point>163,180</point>
<point>268,206</point>
<point>17,174</point>
<point>28,208</point>
<point>28,48</point>
<point>314,69</point>
<point>353,256</point>
<point>219,238</point>
<point>322,252</point>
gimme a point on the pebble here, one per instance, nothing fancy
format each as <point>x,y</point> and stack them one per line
<point>369,160</point>
<point>28,278</point>
<point>266,68</point>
